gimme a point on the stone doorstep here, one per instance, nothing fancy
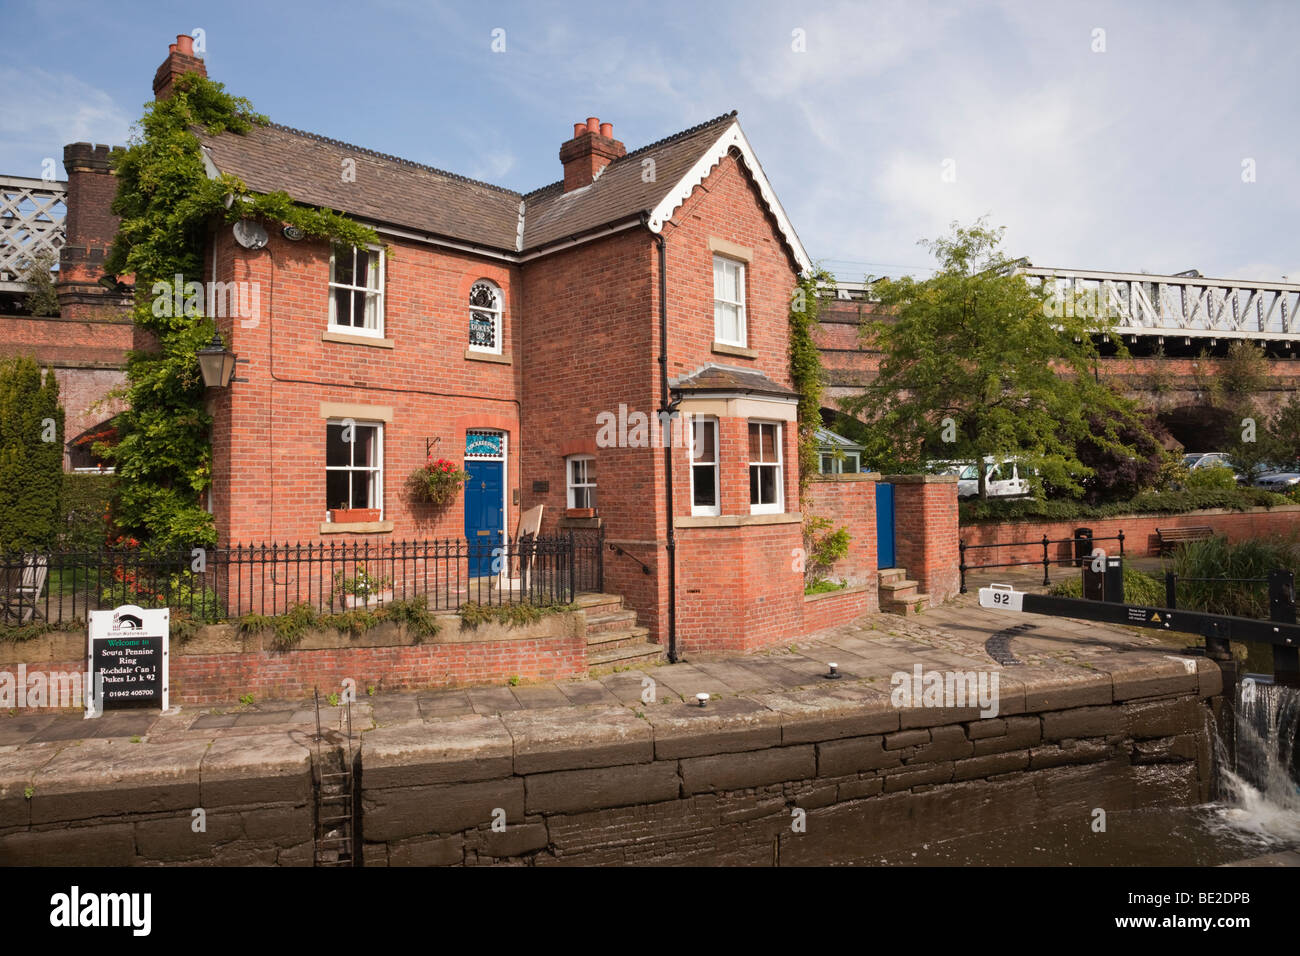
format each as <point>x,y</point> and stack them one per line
<point>891,574</point>
<point>612,621</point>
<point>621,652</point>
<point>603,640</point>
<point>898,585</point>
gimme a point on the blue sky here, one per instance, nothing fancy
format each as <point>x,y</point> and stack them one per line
<point>1128,157</point>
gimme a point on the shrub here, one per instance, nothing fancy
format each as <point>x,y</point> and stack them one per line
<point>31,456</point>
<point>824,587</point>
<point>86,500</point>
<point>822,547</point>
<point>1217,558</point>
<point>1149,502</point>
<point>1139,588</point>
<point>1211,478</point>
<point>472,614</point>
<point>289,627</point>
<point>145,586</point>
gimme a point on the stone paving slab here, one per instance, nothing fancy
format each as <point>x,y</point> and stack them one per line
<point>538,696</point>
<point>23,728</point>
<point>585,693</point>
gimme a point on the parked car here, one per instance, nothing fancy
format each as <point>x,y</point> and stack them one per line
<point>1008,479</point>
<point>1279,481</point>
<point>1205,459</point>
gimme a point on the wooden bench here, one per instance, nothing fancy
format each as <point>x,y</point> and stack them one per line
<point>21,587</point>
<point>1166,538</point>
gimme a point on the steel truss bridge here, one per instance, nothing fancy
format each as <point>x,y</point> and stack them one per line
<point>32,224</point>
<point>1186,307</point>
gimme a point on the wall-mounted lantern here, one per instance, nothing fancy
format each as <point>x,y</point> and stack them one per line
<point>217,363</point>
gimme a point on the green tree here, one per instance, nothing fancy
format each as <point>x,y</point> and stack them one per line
<point>31,456</point>
<point>1265,441</point>
<point>42,299</point>
<point>977,362</point>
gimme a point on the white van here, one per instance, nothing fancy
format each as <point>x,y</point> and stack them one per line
<point>1008,479</point>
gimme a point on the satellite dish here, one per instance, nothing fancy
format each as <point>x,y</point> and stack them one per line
<point>292,232</point>
<point>250,234</point>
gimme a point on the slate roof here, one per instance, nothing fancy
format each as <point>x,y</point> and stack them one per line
<point>726,378</point>
<point>410,195</point>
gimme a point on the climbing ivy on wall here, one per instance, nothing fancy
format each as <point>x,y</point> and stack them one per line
<point>166,202</point>
<point>806,366</point>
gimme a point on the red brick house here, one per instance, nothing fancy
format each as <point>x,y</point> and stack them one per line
<point>538,340</point>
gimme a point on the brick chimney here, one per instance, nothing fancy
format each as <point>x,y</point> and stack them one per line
<point>90,227</point>
<point>592,148</point>
<point>180,60</point>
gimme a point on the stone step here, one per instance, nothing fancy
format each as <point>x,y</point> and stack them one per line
<point>633,654</point>
<point>891,574</point>
<point>893,587</point>
<point>614,621</point>
<point>604,640</point>
<point>913,604</point>
<point>595,604</point>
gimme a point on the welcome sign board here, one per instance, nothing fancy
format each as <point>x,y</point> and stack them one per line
<point>127,649</point>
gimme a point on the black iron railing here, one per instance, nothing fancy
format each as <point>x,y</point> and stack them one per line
<point>62,587</point>
<point>1080,548</point>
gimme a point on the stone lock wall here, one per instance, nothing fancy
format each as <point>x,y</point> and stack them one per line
<point>677,784</point>
<point>118,803</point>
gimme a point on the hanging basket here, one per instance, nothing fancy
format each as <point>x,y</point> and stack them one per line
<point>438,482</point>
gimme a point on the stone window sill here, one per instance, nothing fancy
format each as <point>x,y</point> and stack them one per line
<point>344,338</point>
<point>722,348</point>
<point>355,527</point>
<point>472,356</point>
<point>735,521</point>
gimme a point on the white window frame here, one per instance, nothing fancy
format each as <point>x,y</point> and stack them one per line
<point>378,292</point>
<point>498,316</point>
<point>377,485</point>
<point>837,463</point>
<point>742,331</point>
<point>571,486</point>
<point>716,508</point>
<point>777,506</point>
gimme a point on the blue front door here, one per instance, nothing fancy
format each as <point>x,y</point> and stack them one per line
<point>884,525</point>
<point>483,515</point>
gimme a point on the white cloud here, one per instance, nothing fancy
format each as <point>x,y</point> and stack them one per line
<point>41,112</point>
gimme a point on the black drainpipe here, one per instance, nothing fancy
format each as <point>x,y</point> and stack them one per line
<point>667,407</point>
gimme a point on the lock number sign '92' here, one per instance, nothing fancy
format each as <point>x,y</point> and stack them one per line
<point>1003,599</point>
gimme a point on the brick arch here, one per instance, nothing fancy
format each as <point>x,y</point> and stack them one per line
<point>505,423</point>
<point>576,446</point>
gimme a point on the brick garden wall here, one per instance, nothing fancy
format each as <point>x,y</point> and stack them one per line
<point>219,666</point>
<point>925,533</point>
<point>1139,532</point>
<point>849,502</point>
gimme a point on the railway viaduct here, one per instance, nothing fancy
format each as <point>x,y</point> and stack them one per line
<point>1177,330</point>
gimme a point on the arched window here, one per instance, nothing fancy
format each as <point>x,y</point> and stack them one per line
<point>485,317</point>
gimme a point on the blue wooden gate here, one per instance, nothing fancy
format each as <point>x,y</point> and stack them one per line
<point>884,525</point>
